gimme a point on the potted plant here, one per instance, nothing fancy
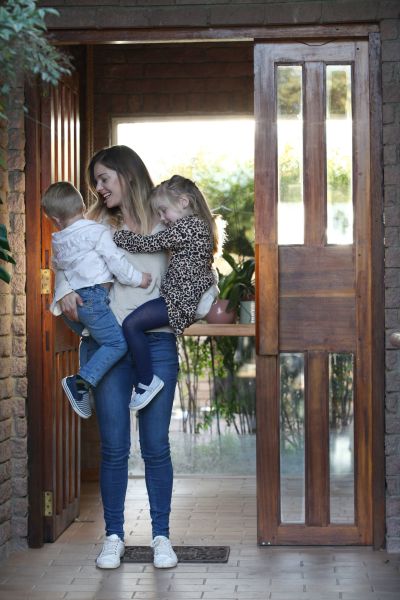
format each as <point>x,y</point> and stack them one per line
<point>237,289</point>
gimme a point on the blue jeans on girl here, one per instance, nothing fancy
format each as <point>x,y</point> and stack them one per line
<point>112,397</point>
<point>150,315</point>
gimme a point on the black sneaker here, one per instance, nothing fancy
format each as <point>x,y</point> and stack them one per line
<point>78,398</point>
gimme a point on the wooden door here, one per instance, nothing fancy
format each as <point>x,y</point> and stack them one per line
<point>54,427</point>
<point>314,256</point>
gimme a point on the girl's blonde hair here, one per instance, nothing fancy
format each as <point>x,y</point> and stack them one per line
<point>136,185</point>
<point>177,187</point>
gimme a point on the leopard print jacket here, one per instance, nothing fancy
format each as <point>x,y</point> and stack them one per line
<point>190,272</point>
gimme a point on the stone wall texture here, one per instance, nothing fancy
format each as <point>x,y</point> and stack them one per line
<point>13,424</point>
<point>231,88</point>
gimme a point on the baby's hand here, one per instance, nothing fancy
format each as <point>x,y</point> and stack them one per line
<point>146,280</point>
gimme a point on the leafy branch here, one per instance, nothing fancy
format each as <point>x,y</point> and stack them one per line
<point>25,48</point>
<point>25,51</point>
<point>5,254</point>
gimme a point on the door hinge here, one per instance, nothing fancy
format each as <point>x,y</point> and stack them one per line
<point>48,504</point>
<point>45,281</point>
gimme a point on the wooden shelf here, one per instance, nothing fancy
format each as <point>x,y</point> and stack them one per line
<point>214,329</point>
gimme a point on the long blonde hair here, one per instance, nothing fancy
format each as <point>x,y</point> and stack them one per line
<point>177,187</point>
<point>136,185</point>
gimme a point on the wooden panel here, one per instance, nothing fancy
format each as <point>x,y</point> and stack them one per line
<point>317,439</point>
<point>314,151</point>
<point>131,35</point>
<point>62,426</point>
<point>267,313</point>
<point>265,164</point>
<point>33,321</point>
<point>303,535</point>
<point>363,383</point>
<point>316,271</point>
<point>317,323</point>
<point>326,297</point>
<point>236,329</point>
<point>268,491</point>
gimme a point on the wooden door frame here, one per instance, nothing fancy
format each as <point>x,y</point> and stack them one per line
<point>267,409</point>
<point>34,332</point>
<point>39,340</point>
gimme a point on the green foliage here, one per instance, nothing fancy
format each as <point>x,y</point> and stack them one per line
<point>339,178</point>
<point>5,254</point>
<point>194,364</point>
<point>292,403</point>
<point>24,47</point>
<point>239,284</point>
<point>24,51</point>
<point>341,391</point>
<point>289,176</point>
<point>289,92</point>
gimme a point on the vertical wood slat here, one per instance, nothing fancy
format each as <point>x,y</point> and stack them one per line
<point>268,490</point>
<point>363,383</point>
<point>48,116</point>
<point>35,407</point>
<point>265,184</point>
<point>314,156</point>
<point>317,439</point>
<point>267,312</point>
<point>378,300</point>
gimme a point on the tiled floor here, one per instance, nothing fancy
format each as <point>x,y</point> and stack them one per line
<point>207,511</point>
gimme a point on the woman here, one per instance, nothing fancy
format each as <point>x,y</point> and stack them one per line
<point>122,184</point>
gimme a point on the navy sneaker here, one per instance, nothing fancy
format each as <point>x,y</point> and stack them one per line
<point>78,396</point>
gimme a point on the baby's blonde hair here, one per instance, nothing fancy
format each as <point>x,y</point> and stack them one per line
<point>180,187</point>
<point>62,200</point>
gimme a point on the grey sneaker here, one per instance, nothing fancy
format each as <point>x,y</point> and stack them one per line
<point>139,401</point>
<point>111,553</point>
<point>164,555</point>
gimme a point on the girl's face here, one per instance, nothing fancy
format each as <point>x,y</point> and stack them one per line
<point>170,212</point>
<point>108,185</point>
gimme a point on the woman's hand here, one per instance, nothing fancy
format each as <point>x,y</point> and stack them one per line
<point>69,304</point>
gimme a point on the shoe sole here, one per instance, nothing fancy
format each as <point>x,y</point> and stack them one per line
<point>109,566</point>
<point>72,400</point>
<point>170,566</point>
<point>143,404</point>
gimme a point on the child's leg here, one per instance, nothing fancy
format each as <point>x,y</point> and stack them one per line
<point>150,315</point>
<point>97,316</point>
<point>76,326</point>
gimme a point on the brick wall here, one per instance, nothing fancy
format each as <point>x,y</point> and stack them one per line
<point>167,80</point>
<point>390,33</point>
<point>13,426</point>
<point>215,13</point>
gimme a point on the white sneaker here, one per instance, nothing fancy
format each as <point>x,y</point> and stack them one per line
<point>164,555</point>
<point>139,401</point>
<point>113,550</point>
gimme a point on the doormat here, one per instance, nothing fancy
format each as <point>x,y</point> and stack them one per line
<point>189,554</point>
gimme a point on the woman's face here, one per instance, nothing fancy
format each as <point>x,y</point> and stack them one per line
<point>108,185</point>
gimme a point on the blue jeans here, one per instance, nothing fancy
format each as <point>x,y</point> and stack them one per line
<point>112,397</point>
<point>96,315</point>
<point>149,315</point>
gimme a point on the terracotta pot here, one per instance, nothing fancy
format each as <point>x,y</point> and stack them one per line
<point>219,315</point>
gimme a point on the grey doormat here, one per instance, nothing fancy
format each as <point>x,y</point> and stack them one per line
<point>192,554</point>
